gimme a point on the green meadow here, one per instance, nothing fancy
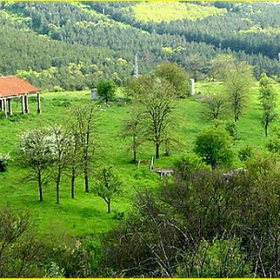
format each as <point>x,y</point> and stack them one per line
<point>86,214</point>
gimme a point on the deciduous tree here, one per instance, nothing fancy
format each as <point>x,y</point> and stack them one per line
<point>213,146</point>
<point>155,97</point>
<point>62,141</point>
<point>268,102</point>
<point>176,76</point>
<point>215,107</point>
<point>83,125</point>
<point>37,155</point>
<point>106,90</point>
<point>107,185</point>
<point>136,129</point>
<point>237,83</point>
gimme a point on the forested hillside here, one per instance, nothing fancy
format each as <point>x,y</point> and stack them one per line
<point>73,45</point>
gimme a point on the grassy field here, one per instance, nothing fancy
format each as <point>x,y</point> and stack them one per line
<point>172,11</point>
<point>86,214</point>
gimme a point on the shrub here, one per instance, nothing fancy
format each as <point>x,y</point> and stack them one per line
<point>4,159</point>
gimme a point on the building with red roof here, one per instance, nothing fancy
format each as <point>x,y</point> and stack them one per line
<point>14,87</point>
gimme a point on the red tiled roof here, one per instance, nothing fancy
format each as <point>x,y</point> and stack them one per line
<point>12,86</point>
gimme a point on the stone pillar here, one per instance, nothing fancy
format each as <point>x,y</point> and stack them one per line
<point>4,106</point>
<point>10,112</point>
<point>26,104</point>
<point>22,104</point>
<point>192,88</point>
<point>94,94</point>
<point>38,103</point>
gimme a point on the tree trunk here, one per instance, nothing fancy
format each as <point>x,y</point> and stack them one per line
<point>266,129</point>
<point>58,185</point>
<point>73,183</point>
<point>57,193</point>
<point>134,155</point>
<point>86,183</point>
<point>236,117</point>
<point>40,185</point>
<point>166,148</point>
<point>134,150</point>
<point>157,150</point>
<point>109,206</point>
<point>86,177</point>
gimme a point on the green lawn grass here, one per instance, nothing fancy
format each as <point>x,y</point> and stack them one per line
<point>86,214</point>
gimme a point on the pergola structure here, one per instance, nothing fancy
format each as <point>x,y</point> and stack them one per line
<point>14,87</point>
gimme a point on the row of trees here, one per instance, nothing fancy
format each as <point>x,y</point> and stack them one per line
<point>55,150</point>
<point>49,153</point>
<point>237,80</point>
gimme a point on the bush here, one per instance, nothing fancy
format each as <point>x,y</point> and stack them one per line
<point>4,159</point>
<point>118,215</point>
<point>245,153</point>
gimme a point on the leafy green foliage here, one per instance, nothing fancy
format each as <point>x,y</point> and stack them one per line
<point>154,98</point>
<point>268,102</point>
<point>106,90</point>
<point>215,107</point>
<point>213,146</point>
<point>37,153</point>
<point>176,76</point>
<point>205,223</point>
<point>237,82</point>
<point>245,153</point>
<point>135,128</point>
<point>21,254</point>
<point>172,11</point>
<point>107,185</point>
<point>273,144</point>
<point>216,259</point>
<point>73,46</point>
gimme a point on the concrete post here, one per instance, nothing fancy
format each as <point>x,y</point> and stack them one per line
<point>192,87</point>
<point>94,94</point>
<point>10,112</point>
<point>26,104</point>
<point>38,103</point>
<point>22,104</point>
<point>4,106</point>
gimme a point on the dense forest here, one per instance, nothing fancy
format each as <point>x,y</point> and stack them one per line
<point>72,45</point>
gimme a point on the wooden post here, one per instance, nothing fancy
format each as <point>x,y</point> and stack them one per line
<point>22,104</point>
<point>152,163</point>
<point>26,104</point>
<point>38,103</point>
<point>10,113</point>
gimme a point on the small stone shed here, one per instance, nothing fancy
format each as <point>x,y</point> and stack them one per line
<point>14,87</point>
